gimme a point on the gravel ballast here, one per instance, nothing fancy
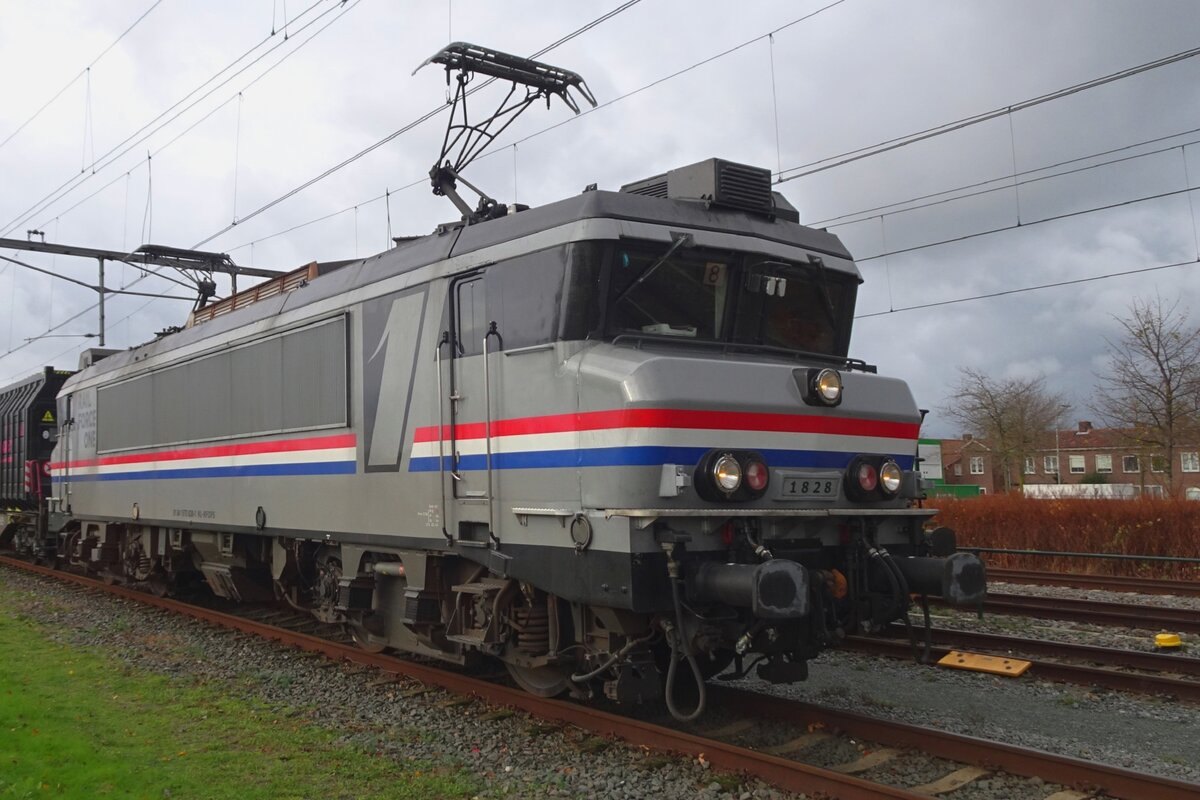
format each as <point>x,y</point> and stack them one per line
<point>1145,734</point>
<point>517,756</point>
<point>514,755</point>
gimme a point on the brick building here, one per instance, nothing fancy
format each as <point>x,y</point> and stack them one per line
<point>1084,454</point>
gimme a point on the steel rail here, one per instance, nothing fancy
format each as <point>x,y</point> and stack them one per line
<point>1008,551</point>
<point>1111,583</point>
<point>786,774</point>
<point>1141,683</point>
<point>1180,620</point>
<point>1050,767</point>
<point>1107,656</point>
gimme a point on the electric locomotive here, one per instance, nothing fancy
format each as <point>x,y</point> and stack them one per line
<point>611,441</point>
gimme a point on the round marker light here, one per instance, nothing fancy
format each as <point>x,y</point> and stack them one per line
<point>828,386</point>
<point>889,477</point>
<point>727,472</point>
<point>756,476</point>
<point>867,477</point>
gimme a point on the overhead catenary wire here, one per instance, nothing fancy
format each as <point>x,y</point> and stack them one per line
<point>928,133</point>
<point>677,73</point>
<point>405,128</point>
<point>520,141</point>
<point>87,285</point>
<point>1023,225</point>
<point>901,206</point>
<point>196,123</point>
<point>1026,289</point>
<point>858,154</point>
<point>136,138</point>
<point>387,197</point>
<point>77,315</point>
<point>559,42</point>
<point>79,74</point>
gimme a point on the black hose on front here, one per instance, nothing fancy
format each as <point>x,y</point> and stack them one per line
<point>897,604</point>
<point>674,640</point>
<point>902,582</point>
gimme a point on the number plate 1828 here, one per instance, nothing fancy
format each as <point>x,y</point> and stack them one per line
<point>810,486</point>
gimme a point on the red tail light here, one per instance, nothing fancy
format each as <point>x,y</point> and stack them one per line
<point>757,476</point>
<point>868,478</point>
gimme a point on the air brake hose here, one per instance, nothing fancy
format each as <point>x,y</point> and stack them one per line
<point>897,597</point>
<point>894,568</point>
<point>676,645</point>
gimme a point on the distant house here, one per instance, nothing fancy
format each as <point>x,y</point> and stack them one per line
<point>968,461</point>
<point>933,471</point>
<point>1081,455</point>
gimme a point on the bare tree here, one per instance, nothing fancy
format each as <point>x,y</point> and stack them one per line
<point>1152,388</point>
<point>1011,415</point>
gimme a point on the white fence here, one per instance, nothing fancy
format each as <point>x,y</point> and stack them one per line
<point>1103,491</point>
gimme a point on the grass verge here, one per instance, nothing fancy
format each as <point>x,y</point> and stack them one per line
<point>77,723</point>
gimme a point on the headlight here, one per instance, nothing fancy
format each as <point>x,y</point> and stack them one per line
<point>870,478</point>
<point>731,476</point>
<point>727,472</point>
<point>822,387</point>
<point>829,385</point>
<point>889,477</point>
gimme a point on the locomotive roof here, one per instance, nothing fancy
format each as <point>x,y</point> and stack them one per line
<point>452,241</point>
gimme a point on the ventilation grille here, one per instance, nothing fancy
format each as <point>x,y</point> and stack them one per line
<point>723,184</point>
<point>743,187</point>
<point>651,187</point>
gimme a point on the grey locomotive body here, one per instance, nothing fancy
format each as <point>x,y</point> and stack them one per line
<point>598,440</point>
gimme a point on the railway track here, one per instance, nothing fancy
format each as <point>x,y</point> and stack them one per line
<point>1110,583</point>
<point>971,757</point>
<point>1087,665</point>
<point>1178,620</point>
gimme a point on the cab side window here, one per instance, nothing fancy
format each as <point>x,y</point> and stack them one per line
<point>470,312</point>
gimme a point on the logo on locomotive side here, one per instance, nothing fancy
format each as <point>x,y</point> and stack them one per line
<point>391,336</point>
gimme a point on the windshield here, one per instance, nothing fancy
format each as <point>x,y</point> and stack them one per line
<point>729,296</point>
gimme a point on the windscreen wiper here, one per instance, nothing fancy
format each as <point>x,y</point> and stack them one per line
<point>823,285</point>
<point>679,240</point>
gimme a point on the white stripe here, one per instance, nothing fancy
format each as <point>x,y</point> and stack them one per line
<point>670,437</point>
<point>244,460</point>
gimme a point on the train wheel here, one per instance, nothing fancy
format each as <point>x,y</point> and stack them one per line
<point>547,681</point>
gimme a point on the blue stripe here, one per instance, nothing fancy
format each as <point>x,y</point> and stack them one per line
<point>245,471</point>
<point>649,456</point>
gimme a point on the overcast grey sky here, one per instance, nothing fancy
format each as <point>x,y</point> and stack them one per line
<point>850,76</point>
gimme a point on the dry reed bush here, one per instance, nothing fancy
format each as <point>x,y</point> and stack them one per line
<point>1144,526</point>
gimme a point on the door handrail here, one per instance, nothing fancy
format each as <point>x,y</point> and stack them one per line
<point>437,360</point>
<point>487,428</point>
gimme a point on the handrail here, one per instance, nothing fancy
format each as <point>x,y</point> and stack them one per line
<point>487,428</point>
<point>441,401</point>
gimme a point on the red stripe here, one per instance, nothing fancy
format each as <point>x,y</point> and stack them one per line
<point>216,451</point>
<point>678,418</point>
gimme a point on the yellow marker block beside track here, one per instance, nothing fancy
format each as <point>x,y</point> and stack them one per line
<point>995,665</point>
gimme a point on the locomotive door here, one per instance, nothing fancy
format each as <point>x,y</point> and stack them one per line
<point>472,337</point>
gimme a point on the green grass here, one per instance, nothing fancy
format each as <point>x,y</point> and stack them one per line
<point>75,723</point>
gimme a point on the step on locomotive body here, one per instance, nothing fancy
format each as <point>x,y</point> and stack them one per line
<point>615,442</point>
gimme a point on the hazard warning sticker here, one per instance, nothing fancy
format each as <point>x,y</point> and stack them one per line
<point>48,417</point>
